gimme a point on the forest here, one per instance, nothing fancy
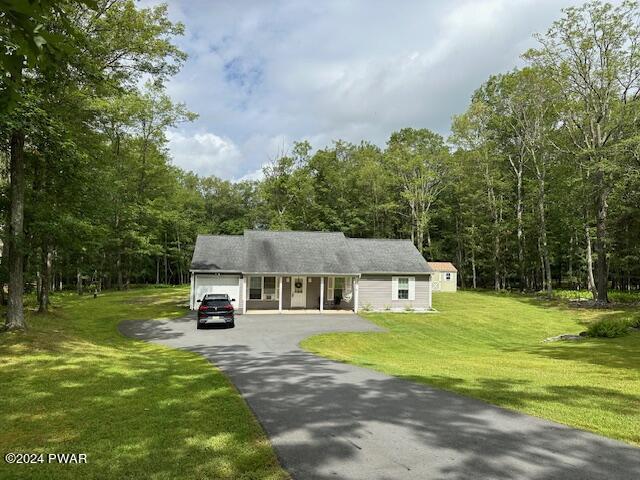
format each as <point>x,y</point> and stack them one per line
<point>536,187</point>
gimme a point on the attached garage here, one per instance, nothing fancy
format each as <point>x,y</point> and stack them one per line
<point>223,284</point>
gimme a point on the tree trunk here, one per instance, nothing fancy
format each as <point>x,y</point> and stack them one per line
<point>119,269</point>
<point>543,238</point>
<point>602,272</point>
<point>157,270</point>
<point>15,311</point>
<point>473,270</point>
<point>79,282</point>
<point>46,280</point>
<point>459,253</point>
<point>518,171</point>
<point>166,262</point>
<point>591,284</point>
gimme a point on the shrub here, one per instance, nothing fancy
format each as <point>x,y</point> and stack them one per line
<point>635,322</point>
<point>608,328</point>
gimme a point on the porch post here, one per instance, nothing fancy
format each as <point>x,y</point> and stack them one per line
<point>321,294</point>
<point>244,293</point>
<point>280,294</point>
<point>429,296</point>
<point>356,282</point>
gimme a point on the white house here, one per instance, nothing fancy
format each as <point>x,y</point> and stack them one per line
<point>270,270</point>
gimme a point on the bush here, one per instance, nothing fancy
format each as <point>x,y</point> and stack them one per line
<point>635,322</point>
<point>609,328</point>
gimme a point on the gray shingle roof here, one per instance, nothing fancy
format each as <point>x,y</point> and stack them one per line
<point>224,253</point>
<point>297,252</point>
<point>387,256</point>
<point>311,253</point>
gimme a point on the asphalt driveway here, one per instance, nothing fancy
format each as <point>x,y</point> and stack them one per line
<point>331,420</point>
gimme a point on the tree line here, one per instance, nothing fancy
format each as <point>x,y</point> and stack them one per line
<point>537,186</point>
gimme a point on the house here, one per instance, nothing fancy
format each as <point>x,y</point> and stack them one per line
<point>281,271</point>
<point>445,276</point>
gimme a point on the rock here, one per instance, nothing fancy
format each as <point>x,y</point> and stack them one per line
<point>566,337</point>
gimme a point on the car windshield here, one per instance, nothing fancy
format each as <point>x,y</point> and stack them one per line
<point>215,302</point>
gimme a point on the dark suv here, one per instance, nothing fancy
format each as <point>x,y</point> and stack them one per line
<point>216,309</point>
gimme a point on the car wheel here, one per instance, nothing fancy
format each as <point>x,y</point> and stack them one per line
<point>199,326</point>
<point>232,324</point>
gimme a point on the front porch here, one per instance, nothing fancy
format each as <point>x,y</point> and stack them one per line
<point>264,293</point>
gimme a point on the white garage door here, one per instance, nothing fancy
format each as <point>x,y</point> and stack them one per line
<point>229,284</point>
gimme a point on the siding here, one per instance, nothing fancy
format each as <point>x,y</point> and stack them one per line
<point>375,293</point>
<point>441,284</point>
<point>448,285</point>
<point>262,304</point>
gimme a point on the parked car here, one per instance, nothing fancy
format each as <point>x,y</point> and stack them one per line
<point>216,309</point>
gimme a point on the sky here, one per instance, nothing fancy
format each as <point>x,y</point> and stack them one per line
<point>263,74</point>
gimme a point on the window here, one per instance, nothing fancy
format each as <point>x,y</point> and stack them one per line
<point>269,288</point>
<point>263,288</point>
<point>403,288</point>
<point>339,288</point>
<point>447,276</point>
<point>255,288</point>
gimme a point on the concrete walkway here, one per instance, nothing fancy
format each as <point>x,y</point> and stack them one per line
<point>329,420</point>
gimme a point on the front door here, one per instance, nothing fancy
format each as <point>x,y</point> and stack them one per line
<point>298,292</point>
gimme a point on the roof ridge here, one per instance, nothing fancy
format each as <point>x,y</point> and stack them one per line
<point>378,239</point>
<point>220,235</point>
<point>294,231</point>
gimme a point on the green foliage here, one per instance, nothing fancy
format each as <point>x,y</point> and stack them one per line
<point>609,328</point>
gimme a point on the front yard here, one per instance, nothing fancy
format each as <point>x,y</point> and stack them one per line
<point>490,347</point>
<point>73,384</point>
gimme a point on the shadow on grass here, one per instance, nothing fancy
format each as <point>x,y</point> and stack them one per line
<point>514,394</point>
<point>137,410</point>
<point>331,420</point>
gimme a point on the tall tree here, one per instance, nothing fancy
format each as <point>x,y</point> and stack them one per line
<point>593,55</point>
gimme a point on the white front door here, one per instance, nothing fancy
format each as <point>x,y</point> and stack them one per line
<point>298,292</point>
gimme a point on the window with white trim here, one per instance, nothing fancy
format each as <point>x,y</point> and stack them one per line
<point>403,288</point>
<point>263,288</point>
<point>255,288</point>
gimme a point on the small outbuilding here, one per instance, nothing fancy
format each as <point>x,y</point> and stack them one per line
<point>444,277</point>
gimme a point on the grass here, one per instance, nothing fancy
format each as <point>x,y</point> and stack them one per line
<point>490,347</point>
<point>73,384</point>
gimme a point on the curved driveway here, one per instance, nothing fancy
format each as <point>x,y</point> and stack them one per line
<point>329,420</point>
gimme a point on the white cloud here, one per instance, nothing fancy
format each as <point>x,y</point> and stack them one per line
<point>205,153</point>
<point>264,74</point>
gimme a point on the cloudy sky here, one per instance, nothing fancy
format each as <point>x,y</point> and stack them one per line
<point>262,74</point>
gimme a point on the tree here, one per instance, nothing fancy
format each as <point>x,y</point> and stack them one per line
<point>419,159</point>
<point>593,56</point>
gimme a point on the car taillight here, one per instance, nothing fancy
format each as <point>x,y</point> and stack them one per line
<point>228,307</point>
<point>202,307</point>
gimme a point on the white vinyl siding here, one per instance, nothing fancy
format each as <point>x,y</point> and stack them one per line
<point>380,292</point>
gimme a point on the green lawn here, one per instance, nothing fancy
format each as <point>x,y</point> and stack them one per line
<point>73,384</point>
<point>490,347</point>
